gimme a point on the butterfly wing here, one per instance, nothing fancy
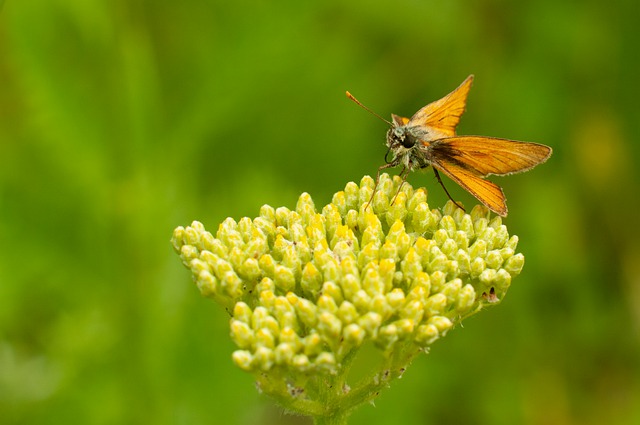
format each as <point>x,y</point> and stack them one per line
<point>467,160</point>
<point>444,114</point>
<point>489,155</point>
<point>398,120</point>
<point>490,194</point>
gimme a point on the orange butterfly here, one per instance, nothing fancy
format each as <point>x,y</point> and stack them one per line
<point>429,139</point>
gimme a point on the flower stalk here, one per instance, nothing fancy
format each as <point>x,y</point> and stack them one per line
<point>309,289</point>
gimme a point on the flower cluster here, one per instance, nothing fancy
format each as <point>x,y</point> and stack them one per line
<point>306,289</point>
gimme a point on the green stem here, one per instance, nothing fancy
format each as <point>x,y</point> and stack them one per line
<point>338,418</point>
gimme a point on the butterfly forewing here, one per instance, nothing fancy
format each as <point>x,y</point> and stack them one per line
<point>444,114</point>
<point>488,155</point>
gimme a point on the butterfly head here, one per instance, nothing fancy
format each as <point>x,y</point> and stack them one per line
<point>399,137</point>
<point>401,146</point>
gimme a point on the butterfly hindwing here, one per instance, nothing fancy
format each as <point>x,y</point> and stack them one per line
<point>398,120</point>
<point>490,194</point>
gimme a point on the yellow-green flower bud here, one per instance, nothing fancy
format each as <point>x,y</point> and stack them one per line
<point>413,311</point>
<point>380,305</point>
<point>266,284</point>
<point>328,304</point>
<point>347,312</point>
<point>267,265</point>
<point>284,278</point>
<point>207,284</point>
<point>250,270</point>
<point>449,247</point>
<point>326,361</point>
<point>502,280</point>
<point>188,253</point>
<point>411,265</point>
<point>283,354</point>
<point>242,334</point>
<point>361,300</point>
<point>514,264</point>
<point>451,290</point>
<point>267,298</point>
<point>404,327</point>
<point>331,289</point>
<point>488,276</point>
<point>387,336</point>
<point>466,298</point>
<point>329,326</point>
<point>418,198</point>
<point>435,304</point>
<point>493,259</point>
<point>243,359</point>
<point>350,285</point>
<point>397,211</point>
<point>370,322</point>
<point>369,254</point>
<point>395,299</point>
<point>242,312</point>
<point>438,280</point>
<point>311,280</point>
<point>290,337</point>
<point>477,267</point>
<point>353,335</point>
<point>263,358</point>
<point>443,324</point>
<point>312,344</point>
<point>371,282</point>
<point>300,362</point>
<point>349,198</point>
<point>264,338</point>
<point>426,335</point>
<point>349,266</point>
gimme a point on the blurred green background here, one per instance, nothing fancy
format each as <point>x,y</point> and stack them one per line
<point>120,120</point>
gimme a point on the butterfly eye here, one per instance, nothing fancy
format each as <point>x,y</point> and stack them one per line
<point>399,136</point>
<point>403,138</point>
<point>407,142</point>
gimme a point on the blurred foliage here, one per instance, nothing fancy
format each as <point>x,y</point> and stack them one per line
<point>121,120</point>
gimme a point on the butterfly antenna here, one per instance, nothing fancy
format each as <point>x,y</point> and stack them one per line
<point>446,191</point>
<point>350,96</point>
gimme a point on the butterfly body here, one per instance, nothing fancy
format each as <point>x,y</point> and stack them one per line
<point>410,146</point>
<point>429,138</point>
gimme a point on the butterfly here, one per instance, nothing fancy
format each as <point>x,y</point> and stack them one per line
<point>428,139</point>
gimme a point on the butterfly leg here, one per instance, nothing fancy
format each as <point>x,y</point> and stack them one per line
<point>445,189</point>
<point>385,166</point>
<point>404,173</point>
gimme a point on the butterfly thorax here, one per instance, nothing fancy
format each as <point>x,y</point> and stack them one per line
<point>409,146</point>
